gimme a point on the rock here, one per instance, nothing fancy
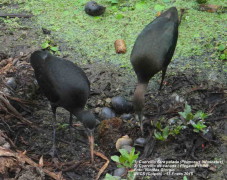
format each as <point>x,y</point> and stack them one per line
<point>97,110</point>
<point>126,116</point>
<point>123,141</point>
<point>11,82</point>
<point>120,172</point>
<point>92,8</point>
<point>141,142</point>
<point>107,113</point>
<point>121,105</point>
<point>107,101</point>
<point>127,148</point>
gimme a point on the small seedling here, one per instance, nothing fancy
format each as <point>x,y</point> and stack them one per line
<point>126,159</point>
<point>199,126</point>
<point>187,114</point>
<point>196,120</point>
<point>49,45</point>
<point>62,126</point>
<point>223,52</point>
<point>110,177</point>
<point>159,7</point>
<point>175,130</point>
<point>113,2</point>
<point>163,135</point>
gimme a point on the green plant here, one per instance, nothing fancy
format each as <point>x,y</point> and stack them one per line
<point>62,126</point>
<point>201,1</point>
<point>113,2</point>
<point>130,176</point>
<point>126,159</point>
<point>50,45</point>
<point>110,177</point>
<point>186,114</point>
<point>163,135</point>
<point>196,120</point>
<point>159,7</point>
<point>223,52</point>
<point>185,178</point>
<point>199,126</point>
<point>176,130</point>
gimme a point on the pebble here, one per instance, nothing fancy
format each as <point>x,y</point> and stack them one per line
<point>92,8</point>
<point>106,113</point>
<point>120,172</point>
<point>124,140</point>
<point>11,82</point>
<point>141,142</point>
<point>126,116</point>
<point>121,105</point>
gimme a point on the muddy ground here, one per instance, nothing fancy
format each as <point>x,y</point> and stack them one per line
<point>31,104</point>
<point>28,126</point>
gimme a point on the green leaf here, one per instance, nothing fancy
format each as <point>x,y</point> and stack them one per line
<point>132,152</point>
<point>119,16</point>
<point>183,114</point>
<point>158,136</point>
<point>199,126</point>
<point>196,130</point>
<point>221,47</point>
<point>131,175</point>
<point>115,158</point>
<point>140,5</point>
<point>66,13</point>
<point>166,1</point>
<point>166,132</point>
<point>158,7</point>
<point>185,178</point>
<point>189,116</point>
<point>124,153</point>
<point>159,126</point>
<point>110,177</point>
<point>97,17</point>
<point>45,45</point>
<point>113,1</point>
<point>222,57</point>
<point>114,8</point>
<point>187,109</point>
<point>54,48</point>
<point>198,114</point>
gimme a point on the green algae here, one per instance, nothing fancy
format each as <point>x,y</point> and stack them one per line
<point>92,38</point>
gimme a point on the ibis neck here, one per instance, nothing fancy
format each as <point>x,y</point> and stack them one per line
<point>139,97</point>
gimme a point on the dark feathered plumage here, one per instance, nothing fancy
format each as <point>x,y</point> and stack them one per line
<point>65,85</point>
<point>153,51</point>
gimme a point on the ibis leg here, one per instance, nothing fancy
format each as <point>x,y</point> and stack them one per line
<point>53,152</point>
<point>70,126</point>
<point>163,76</point>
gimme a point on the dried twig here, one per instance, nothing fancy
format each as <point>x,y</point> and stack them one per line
<point>13,110</point>
<point>15,15</point>
<point>104,166</point>
<point>21,157</point>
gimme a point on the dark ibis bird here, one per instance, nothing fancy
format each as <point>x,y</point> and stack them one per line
<point>65,85</point>
<point>152,52</point>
